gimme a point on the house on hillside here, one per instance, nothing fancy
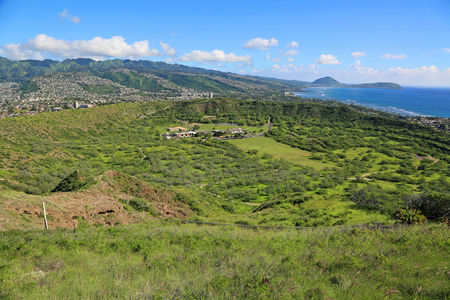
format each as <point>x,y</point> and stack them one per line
<point>177,135</point>
<point>235,131</point>
<point>176,128</point>
<point>184,134</point>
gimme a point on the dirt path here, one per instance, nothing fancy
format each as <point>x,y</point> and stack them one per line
<point>364,176</point>
<point>247,203</point>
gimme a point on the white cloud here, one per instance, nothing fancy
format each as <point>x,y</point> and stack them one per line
<point>261,44</point>
<point>169,51</point>
<point>216,56</point>
<point>268,56</point>
<point>356,55</point>
<point>327,59</point>
<point>291,52</point>
<point>292,44</point>
<point>97,48</point>
<point>422,71</point>
<point>276,60</point>
<point>446,50</point>
<point>290,59</point>
<point>358,73</point>
<point>65,15</point>
<point>14,52</point>
<point>392,56</point>
<point>358,68</point>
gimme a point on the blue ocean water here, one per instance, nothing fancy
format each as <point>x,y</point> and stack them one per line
<point>412,101</point>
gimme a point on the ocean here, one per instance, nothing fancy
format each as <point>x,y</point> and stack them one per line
<point>411,101</point>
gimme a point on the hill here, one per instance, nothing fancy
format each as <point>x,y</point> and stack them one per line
<point>331,82</point>
<point>378,85</point>
<point>327,81</point>
<point>356,166</point>
<point>108,199</point>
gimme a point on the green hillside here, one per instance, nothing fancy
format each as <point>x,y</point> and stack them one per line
<point>345,166</point>
<point>327,81</point>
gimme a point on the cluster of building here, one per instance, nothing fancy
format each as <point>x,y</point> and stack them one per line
<point>438,123</point>
<point>64,90</point>
<point>181,132</point>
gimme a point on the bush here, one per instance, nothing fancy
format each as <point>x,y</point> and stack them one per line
<point>70,183</point>
<point>410,216</point>
<point>434,206</point>
<point>139,204</point>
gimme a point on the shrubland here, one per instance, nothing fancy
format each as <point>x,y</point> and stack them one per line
<point>352,167</point>
<point>161,260</point>
<point>321,166</point>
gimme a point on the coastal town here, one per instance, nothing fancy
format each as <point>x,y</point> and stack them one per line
<point>77,90</point>
<point>67,90</point>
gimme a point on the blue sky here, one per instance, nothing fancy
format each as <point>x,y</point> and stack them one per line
<point>407,42</point>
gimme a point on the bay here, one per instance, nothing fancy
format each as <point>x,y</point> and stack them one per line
<point>412,101</point>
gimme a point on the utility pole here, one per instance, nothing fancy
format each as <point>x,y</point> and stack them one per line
<point>45,216</point>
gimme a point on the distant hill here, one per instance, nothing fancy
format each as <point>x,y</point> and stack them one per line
<point>331,82</point>
<point>327,81</point>
<point>379,85</point>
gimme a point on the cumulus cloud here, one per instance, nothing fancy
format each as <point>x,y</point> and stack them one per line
<point>327,59</point>
<point>357,55</point>
<point>290,59</point>
<point>65,15</point>
<point>394,56</point>
<point>293,69</point>
<point>276,60</point>
<point>169,51</point>
<point>292,44</point>
<point>422,71</point>
<point>291,52</point>
<point>358,68</point>
<point>268,56</point>
<point>216,56</point>
<point>446,50</point>
<point>97,48</point>
<point>261,44</point>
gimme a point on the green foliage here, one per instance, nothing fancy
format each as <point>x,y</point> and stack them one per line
<point>133,80</point>
<point>139,204</point>
<point>434,206</point>
<point>70,183</point>
<point>162,261</point>
<point>216,179</point>
<point>29,87</point>
<point>410,216</point>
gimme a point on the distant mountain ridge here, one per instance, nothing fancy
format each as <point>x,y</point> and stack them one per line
<point>331,82</point>
<point>160,76</point>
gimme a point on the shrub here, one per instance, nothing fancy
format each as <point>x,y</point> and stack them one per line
<point>139,204</point>
<point>434,206</point>
<point>70,183</point>
<point>410,216</point>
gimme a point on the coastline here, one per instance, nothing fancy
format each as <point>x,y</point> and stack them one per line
<point>410,101</point>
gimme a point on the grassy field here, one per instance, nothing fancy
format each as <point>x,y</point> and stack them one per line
<point>169,261</point>
<point>278,150</point>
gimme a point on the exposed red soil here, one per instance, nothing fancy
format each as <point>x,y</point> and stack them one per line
<point>100,204</point>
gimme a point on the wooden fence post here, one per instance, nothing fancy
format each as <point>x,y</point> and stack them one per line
<point>45,216</point>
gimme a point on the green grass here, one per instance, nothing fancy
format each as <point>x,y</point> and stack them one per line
<point>225,127</point>
<point>157,261</point>
<point>278,150</point>
<point>100,89</point>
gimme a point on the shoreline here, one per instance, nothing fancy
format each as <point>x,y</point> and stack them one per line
<point>394,107</point>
